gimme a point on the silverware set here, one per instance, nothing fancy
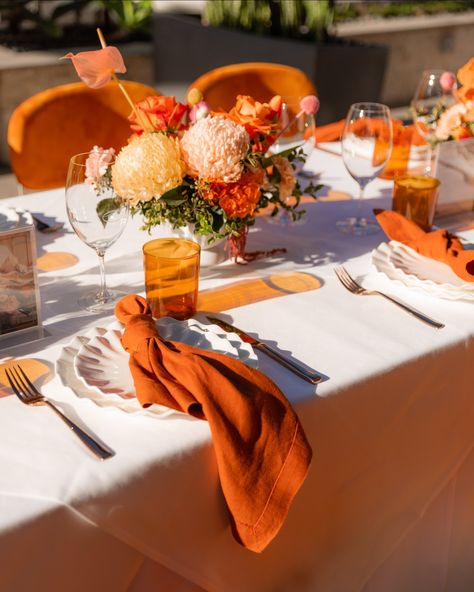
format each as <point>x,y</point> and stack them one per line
<point>350,284</point>
<point>28,394</point>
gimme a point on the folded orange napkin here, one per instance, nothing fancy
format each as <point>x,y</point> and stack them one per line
<point>261,450</point>
<point>331,132</point>
<point>437,244</point>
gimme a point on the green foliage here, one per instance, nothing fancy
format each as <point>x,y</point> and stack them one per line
<point>128,14</point>
<point>16,13</point>
<point>288,18</point>
<point>345,10</point>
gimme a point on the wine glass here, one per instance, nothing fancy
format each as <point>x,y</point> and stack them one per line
<point>433,95</point>
<point>366,147</point>
<point>296,132</point>
<point>98,217</point>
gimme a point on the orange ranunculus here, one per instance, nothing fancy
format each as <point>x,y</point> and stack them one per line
<point>95,68</point>
<point>466,78</point>
<point>163,113</point>
<point>257,118</point>
<point>238,200</point>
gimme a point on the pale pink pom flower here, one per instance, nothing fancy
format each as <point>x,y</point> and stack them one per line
<point>214,149</point>
<point>97,164</point>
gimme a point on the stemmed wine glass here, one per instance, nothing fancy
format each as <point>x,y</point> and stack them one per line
<point>294,132</point>
<point>98,217</point>
<point>433,95</point>
<point>297,132</point>
<point>366,147</point>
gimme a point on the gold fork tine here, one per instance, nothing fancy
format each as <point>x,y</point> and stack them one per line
<point>28,394</point>
<point>342,279</point>
<point>13,384</point>
<point>28,381</point>
<point>350,280</point>
<point>350,284</point>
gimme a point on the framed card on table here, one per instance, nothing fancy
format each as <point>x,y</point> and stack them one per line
<point>454,167</point>
<point>19,292</point>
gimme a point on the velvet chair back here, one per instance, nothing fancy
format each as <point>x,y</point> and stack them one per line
<point>48,128</point>
<point>262,80</point>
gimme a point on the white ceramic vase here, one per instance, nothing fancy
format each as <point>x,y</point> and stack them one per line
<point>210,254</point>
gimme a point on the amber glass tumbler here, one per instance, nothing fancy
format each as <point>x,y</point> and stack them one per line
<point>172,277</point>
<point>415,197</point>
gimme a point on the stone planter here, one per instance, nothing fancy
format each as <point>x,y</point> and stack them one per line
<point>343,72</point>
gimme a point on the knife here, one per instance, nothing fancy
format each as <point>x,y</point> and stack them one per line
<point>298,369</point>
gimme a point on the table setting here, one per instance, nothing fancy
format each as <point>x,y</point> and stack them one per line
<point>249,423</point>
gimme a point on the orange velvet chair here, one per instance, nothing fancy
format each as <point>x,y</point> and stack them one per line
<point>48,128</point>
<point>261,80</point>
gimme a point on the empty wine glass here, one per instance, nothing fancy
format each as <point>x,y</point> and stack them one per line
<point>433,95</point>
<point>366,147</point>
<point>97,216</point>
<point>297,132</point>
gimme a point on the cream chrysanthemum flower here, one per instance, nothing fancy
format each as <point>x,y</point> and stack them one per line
<point>148,167</point>
<point>214,148</point>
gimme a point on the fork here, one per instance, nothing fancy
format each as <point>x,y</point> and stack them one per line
<point>350,284</point>
<point>25,390</point>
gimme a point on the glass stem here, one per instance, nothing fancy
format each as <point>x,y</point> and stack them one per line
<point>102,294</point>
<point>359,201</point>
<point>429,157</point>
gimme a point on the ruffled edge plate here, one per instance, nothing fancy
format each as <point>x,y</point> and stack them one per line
<point>95,366</point>
<point>405,266</point>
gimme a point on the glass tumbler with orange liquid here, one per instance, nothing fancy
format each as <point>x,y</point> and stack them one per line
<point>415,196</point>
<point>172,277</point>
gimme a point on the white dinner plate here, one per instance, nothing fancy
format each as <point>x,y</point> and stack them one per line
<point>404,265</point>
<point>95,365</point>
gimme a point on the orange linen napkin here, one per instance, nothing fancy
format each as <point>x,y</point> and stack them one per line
<point>261,450</point>
<point>437,244</point>
<point>331,132</point>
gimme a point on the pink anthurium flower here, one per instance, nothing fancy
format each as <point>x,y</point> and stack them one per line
<point>96,68</point>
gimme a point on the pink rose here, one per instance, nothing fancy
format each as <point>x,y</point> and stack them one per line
<point>97,163</point>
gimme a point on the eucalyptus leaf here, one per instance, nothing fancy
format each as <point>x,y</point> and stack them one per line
<point>105,207</point>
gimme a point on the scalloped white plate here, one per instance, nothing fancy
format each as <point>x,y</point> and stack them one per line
<point>404,265</point>
<point>96,365</point>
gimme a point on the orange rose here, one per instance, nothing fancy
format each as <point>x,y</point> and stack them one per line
<point>238,200</point>
<point>259,119</point>
<point>163,113</point>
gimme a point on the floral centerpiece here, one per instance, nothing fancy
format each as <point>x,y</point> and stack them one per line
<point>186,165</point>
<point>457,121</point>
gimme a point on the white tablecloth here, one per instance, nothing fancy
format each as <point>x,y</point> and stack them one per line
<point>387,505</point>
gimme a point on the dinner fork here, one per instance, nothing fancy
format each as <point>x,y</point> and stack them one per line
<point>350,284</point>
<point>25,390</point>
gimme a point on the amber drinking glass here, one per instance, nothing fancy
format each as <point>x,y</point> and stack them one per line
<point>172,277</point>
<point>415,197</point>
